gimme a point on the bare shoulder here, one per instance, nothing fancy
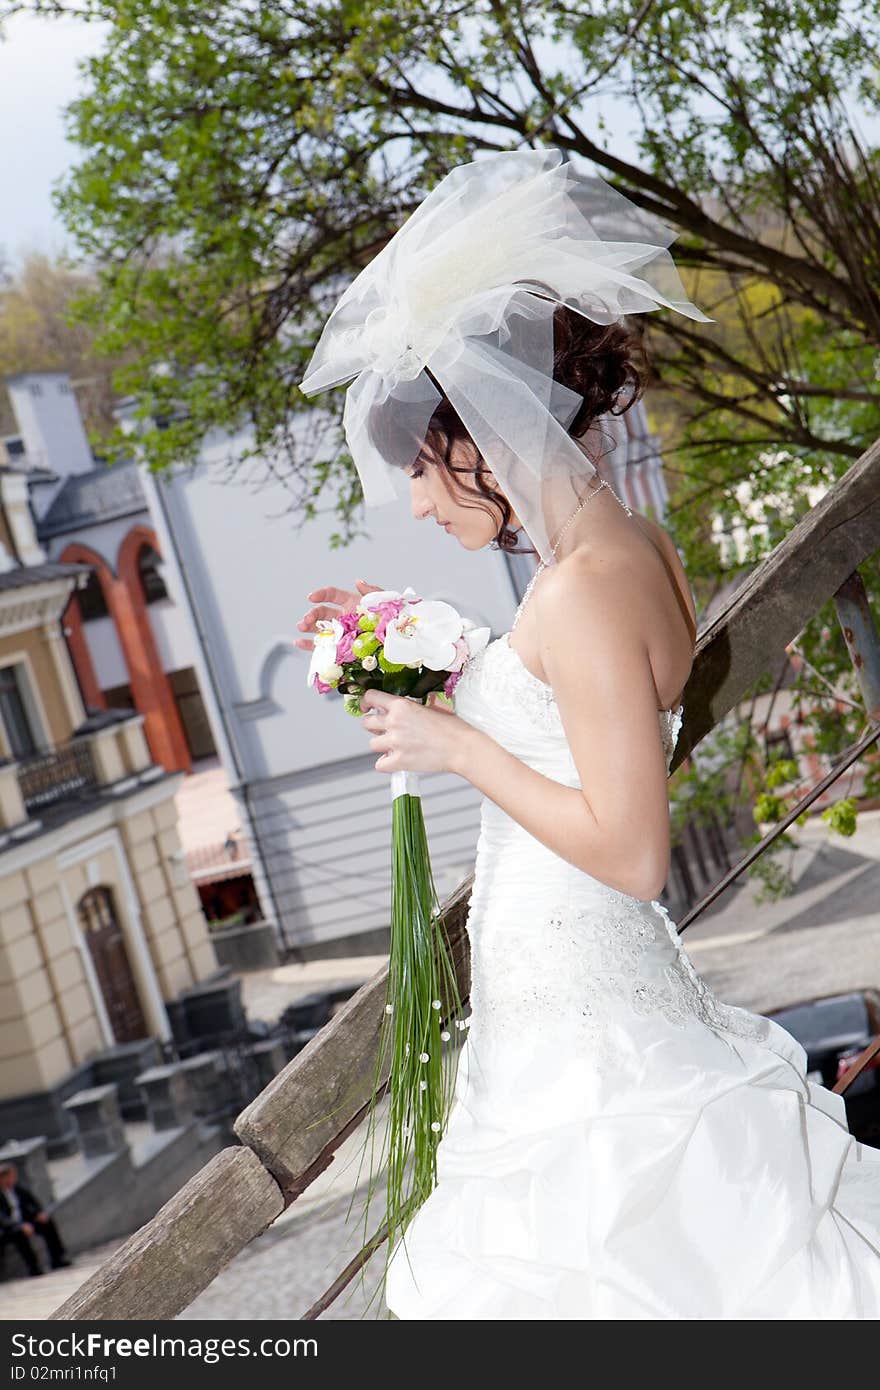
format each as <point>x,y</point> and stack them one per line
<point>603,572</point>
<point>627,573</point>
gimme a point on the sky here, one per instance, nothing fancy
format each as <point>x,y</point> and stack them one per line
<point>38,77</point>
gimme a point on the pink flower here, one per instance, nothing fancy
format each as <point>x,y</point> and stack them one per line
<point>462,652</point>
<point>343,646</point>
<point>321,686</point>
<point>389,611</point>
<point>451,682</point>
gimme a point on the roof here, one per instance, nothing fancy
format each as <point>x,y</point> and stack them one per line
<point>212,863</point>
<point>25,575</point>
<point>32,475</point>
<point>103,494</point>
<point>103,719</point>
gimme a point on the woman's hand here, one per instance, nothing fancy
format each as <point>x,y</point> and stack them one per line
<point>343,601</point>
<point>413,737</point>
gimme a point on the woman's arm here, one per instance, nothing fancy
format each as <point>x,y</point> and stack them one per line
<point>616,825</point>
<point>560,817</point>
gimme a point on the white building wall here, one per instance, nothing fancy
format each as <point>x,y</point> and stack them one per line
<point>106,653</point>
<point>48,418</point>
<point>174,641</point>
<point>105,538</point>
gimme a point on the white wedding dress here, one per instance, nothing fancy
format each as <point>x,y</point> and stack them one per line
<point>622,1144</point>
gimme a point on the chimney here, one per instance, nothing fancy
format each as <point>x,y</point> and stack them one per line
<point>47,414</point>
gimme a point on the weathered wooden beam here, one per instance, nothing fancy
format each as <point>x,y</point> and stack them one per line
<point>167,1262</point>
<point>780,596</point>
<point>301,1118</point>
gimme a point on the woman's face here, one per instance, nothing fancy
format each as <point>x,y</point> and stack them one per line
<point>474,522</point>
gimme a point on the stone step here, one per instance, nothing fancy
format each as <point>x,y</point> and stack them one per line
<point>25,1299</point>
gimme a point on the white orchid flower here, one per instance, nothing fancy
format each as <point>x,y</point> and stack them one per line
<point>372,600</point>
<point>476,637</point>
<point>323,663</point>
<point>424,634</point>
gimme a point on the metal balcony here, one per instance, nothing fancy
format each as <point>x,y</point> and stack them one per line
<point>59,774</point>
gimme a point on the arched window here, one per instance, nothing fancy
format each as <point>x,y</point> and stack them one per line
<point>152,582</point>
<point>90,597</point>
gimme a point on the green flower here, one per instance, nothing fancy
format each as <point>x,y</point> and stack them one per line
<point>387,665</point>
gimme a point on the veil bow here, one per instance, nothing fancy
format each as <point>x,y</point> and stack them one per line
<point>467,288</point>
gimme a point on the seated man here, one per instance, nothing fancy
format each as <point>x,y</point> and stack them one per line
<point>22,1217</point>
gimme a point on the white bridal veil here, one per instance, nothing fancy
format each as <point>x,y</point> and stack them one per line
<point>467,287</point>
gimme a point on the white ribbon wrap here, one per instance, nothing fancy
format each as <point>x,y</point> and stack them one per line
<point>404,784</point>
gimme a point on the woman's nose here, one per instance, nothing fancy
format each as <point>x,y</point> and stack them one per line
<point>421,506</point>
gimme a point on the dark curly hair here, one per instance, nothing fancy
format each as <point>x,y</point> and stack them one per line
<point>605,364</point>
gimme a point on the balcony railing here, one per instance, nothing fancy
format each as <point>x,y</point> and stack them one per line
<point>57,775</point>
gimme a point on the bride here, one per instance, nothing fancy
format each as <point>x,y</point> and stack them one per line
<point>622,1144</point>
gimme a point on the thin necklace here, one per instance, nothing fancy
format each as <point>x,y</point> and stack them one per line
<point>583,502</point>
<point>542,564</point>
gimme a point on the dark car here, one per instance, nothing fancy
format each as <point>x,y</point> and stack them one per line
<point>833,1029</point>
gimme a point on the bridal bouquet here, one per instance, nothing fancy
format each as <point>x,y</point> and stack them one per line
<point>407,645</point>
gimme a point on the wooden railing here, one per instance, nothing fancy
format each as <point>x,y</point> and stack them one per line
<point>164,1265</point>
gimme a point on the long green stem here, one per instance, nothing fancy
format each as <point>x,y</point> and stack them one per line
<point>422,1014</point>
<point>423,1008</point>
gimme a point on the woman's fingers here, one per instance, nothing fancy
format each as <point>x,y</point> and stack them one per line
<point>344,600</point>
<point>308,621</point>
<point>332,594</point>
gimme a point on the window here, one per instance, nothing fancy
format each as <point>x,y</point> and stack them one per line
<point>119,697</point>
<point>153,584</point>
<point>16,712</point>
<point>190,706</point>
<point>92,603</point>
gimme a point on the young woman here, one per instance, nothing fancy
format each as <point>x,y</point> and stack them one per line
<point>623,1144</point>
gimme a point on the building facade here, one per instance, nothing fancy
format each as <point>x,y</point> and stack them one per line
<point>100,926</point>
<point>127,637</point>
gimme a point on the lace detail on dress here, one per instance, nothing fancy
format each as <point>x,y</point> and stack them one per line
<point>584,963</point>
<point>727,1018</point>
<point>535,697</point>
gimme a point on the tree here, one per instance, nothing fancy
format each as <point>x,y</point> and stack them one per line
<point>242,159</point>
<point>37,334</point>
